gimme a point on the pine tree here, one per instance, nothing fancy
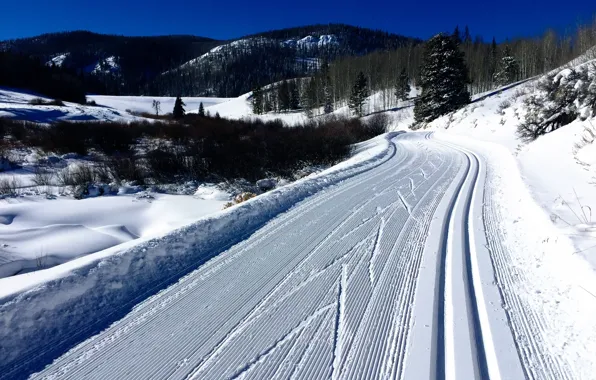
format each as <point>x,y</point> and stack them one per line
<point>359,95</point>
<point>179,111</point>
<point>294,96</point>
<point>456,35</point>
<point>508,70</point>
<point>494,59</point>
<point>402,91</point>
<point>327,93</point>
<point>327,88</point>
<point>217,116</point>
<point>443,79</point>
<point>309,100</point>
<point>201,110</point>
<point>257,100</point>
<point>283,96</point>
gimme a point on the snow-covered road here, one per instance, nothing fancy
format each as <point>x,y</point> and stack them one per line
<point>398,272</point>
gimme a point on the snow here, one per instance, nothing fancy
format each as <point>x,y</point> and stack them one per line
<point>107,65</point>
<point>58,60</point>
<point>145,103</point>
<point>422,255</point>
<point>306,43</point>
<point>115,278</point>
<point>310,42</point>
<point>456,252</point>
<point>38,233</point>
<point>14,103</point>
<point>241,107</point>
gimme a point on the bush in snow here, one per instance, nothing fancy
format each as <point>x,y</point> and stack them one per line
<point>42,177</point>
<point>9,186</point>
<point>378,123</point>
<point>266,184</point>
<point>242,197</point>
<point>557,101</point>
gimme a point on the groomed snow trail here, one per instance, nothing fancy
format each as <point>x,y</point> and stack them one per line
<point>388,274</point>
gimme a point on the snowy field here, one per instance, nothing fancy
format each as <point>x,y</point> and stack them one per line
<point>15,104</point>
<point>144,104</point>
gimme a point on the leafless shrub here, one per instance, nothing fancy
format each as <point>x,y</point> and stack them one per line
<point>43,177</point>
<point>9,186</point>
<point>503,106</point>
<point>64,177</point>
<point>378,123</point>
<point>83,175</point>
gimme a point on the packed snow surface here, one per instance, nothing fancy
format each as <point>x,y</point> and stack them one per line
<point>405,262</point>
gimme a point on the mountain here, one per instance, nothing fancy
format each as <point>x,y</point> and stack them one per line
<point>234,68</point>
<point>190,65</point>
<point>117,64</point>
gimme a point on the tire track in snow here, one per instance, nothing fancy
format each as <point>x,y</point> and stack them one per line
<point>329,289</point>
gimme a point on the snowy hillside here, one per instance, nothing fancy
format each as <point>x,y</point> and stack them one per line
<point>16,104</point>
<point>217,54</point>
<point>558,168</point>
<point>144,104</point>
<point>58,60</point>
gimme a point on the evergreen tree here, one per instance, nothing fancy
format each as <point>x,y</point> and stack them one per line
<point>508,70</point>
<point>179,111</point>
<point>328,97</point>
<point>283,96</point>
<point>327,88</point>
<point>257,100</point>
<point>443,79</point>
<point>294,96</point>
<point>359,95</point>
<point>217,116</point>
<point>494,58</point>
<point>309,101</point>
<point>456,35</point>
<point>201,110</point>
<point>402,91</point>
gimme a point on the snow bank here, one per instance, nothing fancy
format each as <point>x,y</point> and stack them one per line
<point>39,233</point>
<point>84,296</point>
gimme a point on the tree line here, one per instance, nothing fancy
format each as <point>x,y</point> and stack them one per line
<point>19,70</point>
<point>390,73</point>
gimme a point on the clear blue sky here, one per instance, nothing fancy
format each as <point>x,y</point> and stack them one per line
<point>225,19</point>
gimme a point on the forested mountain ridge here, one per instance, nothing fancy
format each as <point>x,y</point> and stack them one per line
<point>119,64</point>
<point>156,65</point>
<point>237,67</point>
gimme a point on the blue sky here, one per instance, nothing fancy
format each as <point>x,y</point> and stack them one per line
<point>224,19</point>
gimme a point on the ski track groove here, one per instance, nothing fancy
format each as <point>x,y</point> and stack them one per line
<point>324,290</point>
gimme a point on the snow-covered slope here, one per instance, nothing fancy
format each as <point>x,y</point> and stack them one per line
<point>559,168</point>
<point>145,103</point>
<point>15,104</point>
<point>306,44</point>
<point>58,60</point>
<point>107,65</point>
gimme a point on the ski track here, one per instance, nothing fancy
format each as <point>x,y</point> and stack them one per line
<point>395,273</point>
